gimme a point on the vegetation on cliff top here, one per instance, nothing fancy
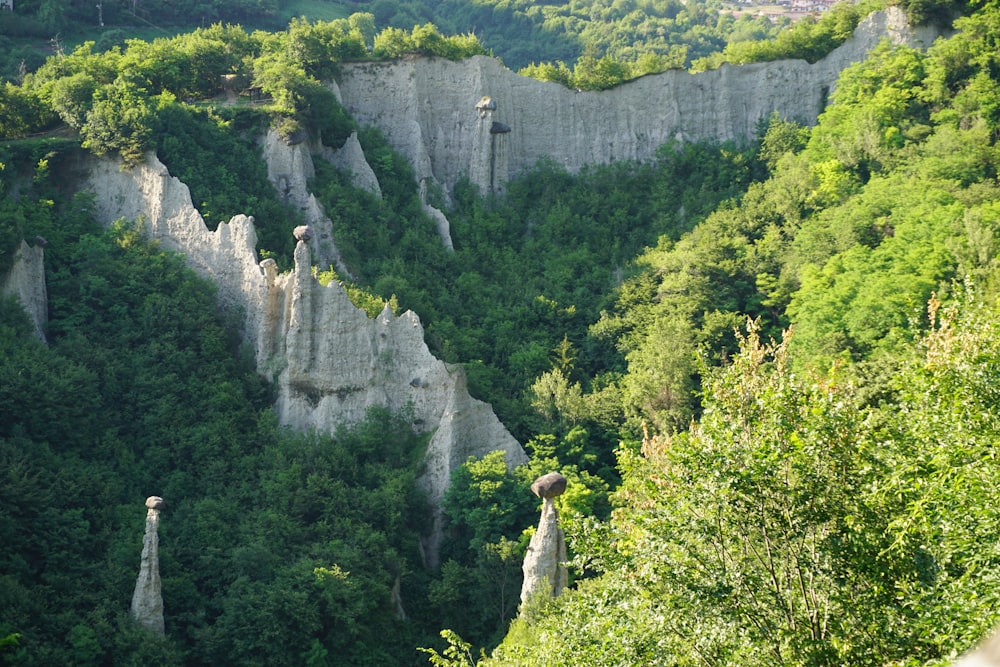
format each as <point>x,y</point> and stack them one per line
<point>576,40</point>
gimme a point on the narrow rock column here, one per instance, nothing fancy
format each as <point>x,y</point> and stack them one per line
<point>482,164</point>
<point>499,157</point>
<point>543,569</point>
<point>147,600</point>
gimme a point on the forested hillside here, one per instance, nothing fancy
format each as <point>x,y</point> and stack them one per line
<point>283,547</point>
<point>768,370</point>
<point>832,502</point>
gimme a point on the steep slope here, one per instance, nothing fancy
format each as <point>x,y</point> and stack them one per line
<point>330,361</point>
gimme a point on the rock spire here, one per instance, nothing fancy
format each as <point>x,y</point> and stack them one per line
<point>543,564</point>
<point>147,600</point>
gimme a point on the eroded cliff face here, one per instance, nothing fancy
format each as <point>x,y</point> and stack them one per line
<point>289,168</point>
<point>426,108</point>
<point>331,362</point>
<point>26,282</point>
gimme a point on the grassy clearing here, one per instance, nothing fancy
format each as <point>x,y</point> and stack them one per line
<point>315,10</point>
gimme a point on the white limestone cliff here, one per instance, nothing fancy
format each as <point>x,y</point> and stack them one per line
<point>426,107</point>
<point>26,282</point>
<point>331,362</point>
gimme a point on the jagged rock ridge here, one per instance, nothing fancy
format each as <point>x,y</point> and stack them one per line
<point>331,362</point>
<point>289,168</point>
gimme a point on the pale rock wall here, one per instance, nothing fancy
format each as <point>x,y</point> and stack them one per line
<point>425,107</point>
<point>338,363</point>
<point>26,282</point>
<point>987,654</point>
<point>227,256</point>
<point>543,568</point>
<point>330,360</point>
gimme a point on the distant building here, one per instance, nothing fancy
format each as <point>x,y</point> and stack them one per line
<point>7,4</point>
<point>810,6</point>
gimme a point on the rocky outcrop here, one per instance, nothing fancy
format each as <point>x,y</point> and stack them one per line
<point>491,166</point>
<point>331,362</point>
<point>147,599</point>
<point>426,107</point>
<point>227,256</point>
<point>26,282</point>
<point>336,363</point>
<point>441,222</point>
<point>544,572</point>
<point>550,485</point>
<point>289,168</point>
<point>986,654</point>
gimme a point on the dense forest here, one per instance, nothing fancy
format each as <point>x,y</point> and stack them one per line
<point>665,33</point>
<point>768,370</point>
<point>604,37</point>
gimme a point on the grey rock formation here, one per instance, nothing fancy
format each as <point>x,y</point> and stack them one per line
<point>986,654</point>
<point>485,105</point>
<point>331,362</point>
<point>491,168</point>
<point>550,485</point>
<point>428,109</point>
<point>336,363</point>
<point>441,222</point>
<point>289,168</point>
<point>26,282</point>
<point>303,233</point>
<point>147,599</point>
<point>544,573</point>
